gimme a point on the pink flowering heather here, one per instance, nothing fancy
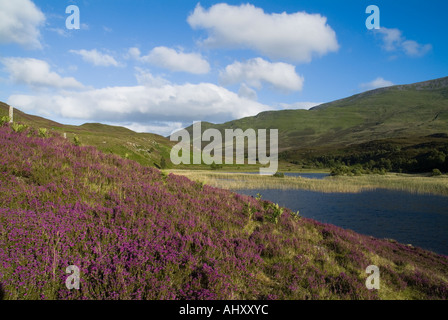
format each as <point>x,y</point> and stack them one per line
<point>136,233</point>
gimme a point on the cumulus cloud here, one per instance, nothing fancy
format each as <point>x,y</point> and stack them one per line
<point>143,104</point>
<point>60,31</point>
<point>96,58</point>
<point>19,23</point>
<point>134,53</point>
<point>173,60</point>
<point>36,73</point>
<point>414,49</point>
<point>375,84</point>
<point>148,79</point>
<point>246,92</point>
<point>393,40</point>
<point>165,128</point>
<point>296,36</point>
<point>257,71</point>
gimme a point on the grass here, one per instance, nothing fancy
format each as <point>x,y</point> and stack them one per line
<point>343,184</point>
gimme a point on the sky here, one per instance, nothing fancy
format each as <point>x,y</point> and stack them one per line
<point>157,66</point>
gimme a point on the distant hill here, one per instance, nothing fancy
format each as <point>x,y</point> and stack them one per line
<point>145,148</point>
<point>414,110</point>
<point>402,117</point>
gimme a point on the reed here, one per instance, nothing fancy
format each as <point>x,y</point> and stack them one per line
<point>340,184</point>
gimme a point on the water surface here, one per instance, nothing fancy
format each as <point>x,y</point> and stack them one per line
<point>300,174</point>
<point>420,220</point>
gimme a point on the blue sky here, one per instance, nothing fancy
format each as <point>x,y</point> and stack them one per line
<point>155,66</point>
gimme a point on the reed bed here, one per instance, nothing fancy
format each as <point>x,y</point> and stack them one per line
<point>339,184</point>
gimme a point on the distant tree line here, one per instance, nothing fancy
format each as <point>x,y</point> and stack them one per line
<point>381,158</point>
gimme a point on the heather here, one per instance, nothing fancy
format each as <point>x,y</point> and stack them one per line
<point>137,233</point>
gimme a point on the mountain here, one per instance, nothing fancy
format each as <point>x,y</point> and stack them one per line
<point>399,128</point>
<point>145,148</point>
<point>136,233</point>
<point>415,110</point>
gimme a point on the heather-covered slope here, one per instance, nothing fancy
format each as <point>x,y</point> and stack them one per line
<point>146,148</point>
<point>137,234</point>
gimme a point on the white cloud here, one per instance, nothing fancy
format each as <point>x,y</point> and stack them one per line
<point>375,84</point>
<point>134,53</point>
<point>257,71</point>
<point>162,128</point>
<point>393,40</point>
<point>296,36</point>
<point>96,58</point>
<point>147,79</point>
<point>246,92</point>
<point>60,31</point>
<point>143,104</point>
<point>414,49</point>
<point>300,105</point>
<point>172,60</point>
<point>37,73</point>
<point>19,23</point>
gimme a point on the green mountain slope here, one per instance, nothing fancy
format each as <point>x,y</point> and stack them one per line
<point>398,128</point>
<point>145,148</point>
<point>414,110</point>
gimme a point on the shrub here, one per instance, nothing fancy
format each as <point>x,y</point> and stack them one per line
<point>4,120</point>
<point>215,166</point>
<point>43,132</point>
<point>18,127</point>
<point>295,215</point>
<point>279,175</point>
<point>275,212</point>
<point>435,173</point>
<point>76,141</point>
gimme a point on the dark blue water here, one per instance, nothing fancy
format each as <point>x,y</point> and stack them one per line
<point>299,174</point>
<point>420,220</point>
<point>307,175</point>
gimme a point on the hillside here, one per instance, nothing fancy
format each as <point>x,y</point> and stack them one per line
<point>136,233</point>
<point>145,148</point>
<point>402,117</point>
<point>414,110</point>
